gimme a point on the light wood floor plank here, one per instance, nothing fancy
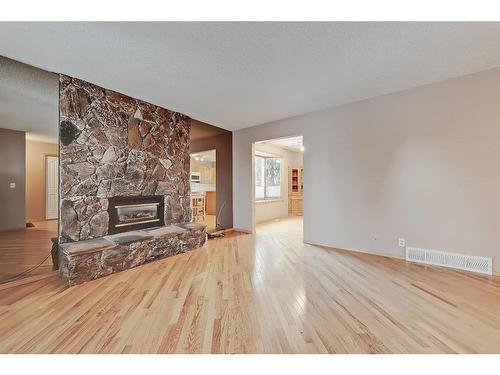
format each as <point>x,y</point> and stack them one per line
<point>261,293</point>
<point>24,249</point>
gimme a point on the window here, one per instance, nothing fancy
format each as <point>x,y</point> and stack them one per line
<point>267,178</point>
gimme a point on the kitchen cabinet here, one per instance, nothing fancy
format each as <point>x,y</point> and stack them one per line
<point>295,191</point>
<point>210,203</point>
<point>206,170</point>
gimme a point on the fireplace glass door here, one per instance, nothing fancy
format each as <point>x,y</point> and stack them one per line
<point>131,213</point>
<point>137,214</point>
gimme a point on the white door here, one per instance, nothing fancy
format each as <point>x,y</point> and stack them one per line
<point>52,186</point>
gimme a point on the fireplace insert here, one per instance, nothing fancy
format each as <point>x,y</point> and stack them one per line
<point>132,213</point>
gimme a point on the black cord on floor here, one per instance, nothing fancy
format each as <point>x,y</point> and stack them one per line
<point>15,277</point>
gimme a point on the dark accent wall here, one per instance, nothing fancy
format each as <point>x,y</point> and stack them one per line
<point>12,169</point>
<point>223,144</point>
<point>114,145</point>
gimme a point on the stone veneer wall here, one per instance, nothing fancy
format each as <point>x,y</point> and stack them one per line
<point>115,145</point>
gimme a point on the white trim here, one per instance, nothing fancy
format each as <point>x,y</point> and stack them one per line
<point>264,154</point>
<point>354,250</point>
<point>270,200</point>
<point>49,215</point>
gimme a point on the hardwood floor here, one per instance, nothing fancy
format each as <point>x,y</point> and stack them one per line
<point>262,293</point>
<point>23,249</point>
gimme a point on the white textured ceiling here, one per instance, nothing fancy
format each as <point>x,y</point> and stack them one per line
<point>236,75</point>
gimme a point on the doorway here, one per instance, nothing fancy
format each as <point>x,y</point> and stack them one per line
<point>26,252</point>
<point>203,179</point>
<point>30,108</point>
<point>278,197</point>
<point>51,187</point>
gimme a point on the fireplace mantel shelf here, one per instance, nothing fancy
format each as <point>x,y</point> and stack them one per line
<point>90,259</point>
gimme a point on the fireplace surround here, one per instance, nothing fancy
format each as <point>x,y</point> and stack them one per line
<point>123,182</point>
<point>116,146</point>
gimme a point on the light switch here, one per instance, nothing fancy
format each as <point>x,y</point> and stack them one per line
<point>12,185</point>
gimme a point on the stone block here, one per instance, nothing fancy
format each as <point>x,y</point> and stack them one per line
<point>85,247</point>
<point>88,260</point>
<point>128,237</point>
<point>165,231</point>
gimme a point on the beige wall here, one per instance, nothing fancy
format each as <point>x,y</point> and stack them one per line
<point>35,178</point>
<point>422,164</point>
<point>12,167</point>
<point>277,208</point>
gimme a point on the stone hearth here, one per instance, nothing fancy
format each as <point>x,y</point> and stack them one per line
<point>91,259</point>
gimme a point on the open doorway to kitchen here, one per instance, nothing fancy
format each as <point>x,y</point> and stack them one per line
<point>279,185</point>
<point>203,188</point>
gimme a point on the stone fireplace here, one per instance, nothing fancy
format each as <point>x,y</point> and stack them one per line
<point>124,181</point>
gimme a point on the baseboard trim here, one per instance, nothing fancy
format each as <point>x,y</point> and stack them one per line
<point>246,231</point>
<point>355,250</point>
<point>495,273</point>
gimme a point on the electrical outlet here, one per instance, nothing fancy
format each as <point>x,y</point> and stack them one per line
<point>402,242</point>
<point>12,185</point>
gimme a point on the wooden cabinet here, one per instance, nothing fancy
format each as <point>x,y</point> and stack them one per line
<point>213,174</point>
<point>296,182</point>
<point>295,191</point>
<point>207,171</point>
<point>210,202</point>
<point>296,206</point>
<point>301,180</point>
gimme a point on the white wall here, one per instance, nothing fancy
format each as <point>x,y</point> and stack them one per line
<point>277,208</point>
<point>422,164</point>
